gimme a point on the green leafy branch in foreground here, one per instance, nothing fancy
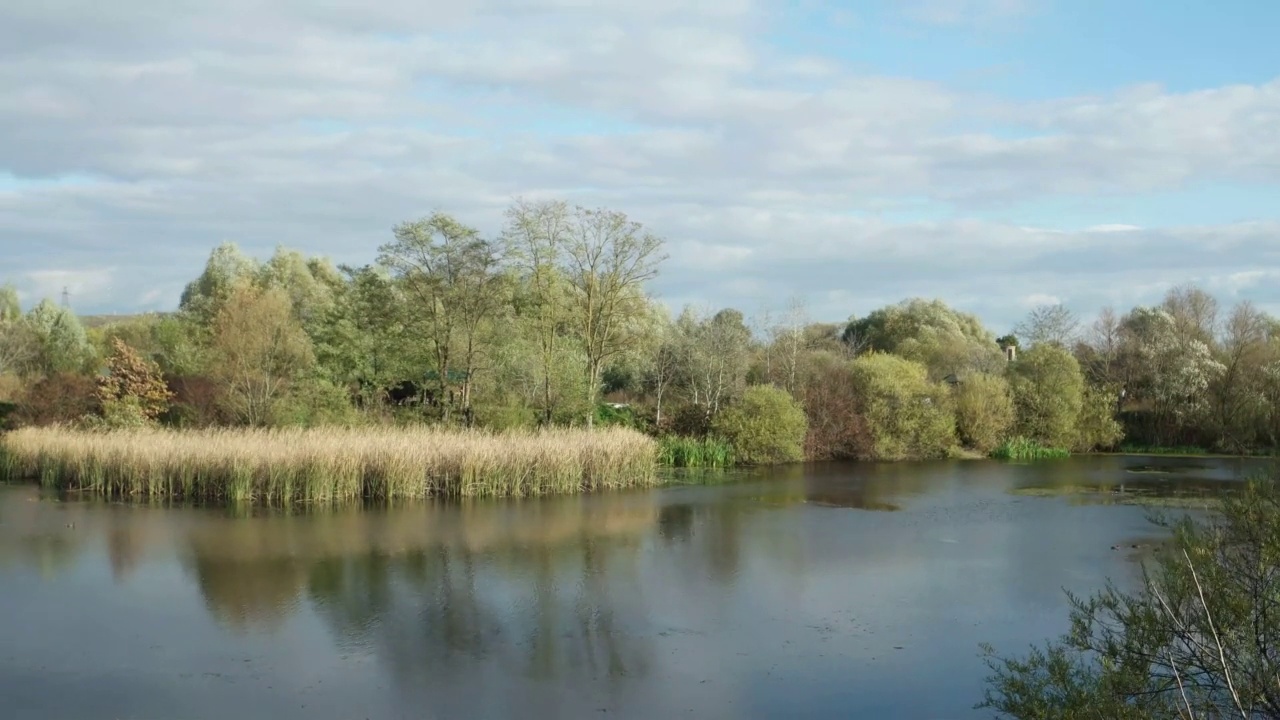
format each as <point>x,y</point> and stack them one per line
<point>1198,639</point>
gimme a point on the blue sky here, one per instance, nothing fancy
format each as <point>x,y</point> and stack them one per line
<point>995,153</point>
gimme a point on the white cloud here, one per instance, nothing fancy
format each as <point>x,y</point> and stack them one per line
<point>80,285</point>
<point>322,125</point>
<point>967,12</point>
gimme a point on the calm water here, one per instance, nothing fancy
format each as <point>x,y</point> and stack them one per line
<point>820,591</point>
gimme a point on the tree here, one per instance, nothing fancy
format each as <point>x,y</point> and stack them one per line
<point>226,268</point>
<point>258,349</point>
<point>1096,425</point>
<point>452,276</point>
<point>909,415</point>
<point>984,411</point>
<point>17,344</point>
<point>1100,352</point>
<point>786,344</point>
<point>1049,324</point>
<point>10,307</point>
<point>766,426</point>
<point>538,235</point>
<point>1238,399</point>
<point>1172,372</point>
<point>60,342</point>
<point>837,429</point>
<point>1048,391</point>
<point>713,358</point>
<point>1196,640</point>
<point>311,284</point>
<point>133,381</point>
<point>609,259</point>
<point>1194,313</point>
<point>948,342</point>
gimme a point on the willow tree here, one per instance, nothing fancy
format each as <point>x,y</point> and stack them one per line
<point>452,276</point>
<point>609,259</point>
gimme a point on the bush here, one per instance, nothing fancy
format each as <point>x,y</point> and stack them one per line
<point>1193,640</point>
<point>909,416</point>
<point>837,431</point>
<point>984,411</point>
<point>1096,425</point>
<point>766,426</point>
<point>59,398</point>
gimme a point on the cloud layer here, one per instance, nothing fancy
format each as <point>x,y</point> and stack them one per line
<point>135,137</point>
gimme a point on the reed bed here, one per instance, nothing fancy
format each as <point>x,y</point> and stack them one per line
<point>687,452</point>
<point>329,464</point>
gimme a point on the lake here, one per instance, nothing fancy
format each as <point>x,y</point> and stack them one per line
<point>815,591</point>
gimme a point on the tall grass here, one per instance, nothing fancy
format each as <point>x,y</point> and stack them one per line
<point>329,464</point>
<point>686,452</point>
<point>1021,448</point>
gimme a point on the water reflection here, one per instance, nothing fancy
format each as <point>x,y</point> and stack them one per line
<point>775,590</point>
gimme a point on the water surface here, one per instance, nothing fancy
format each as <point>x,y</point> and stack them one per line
<point>805,592</point>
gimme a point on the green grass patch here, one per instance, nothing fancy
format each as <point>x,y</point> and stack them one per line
<point>686,452</point>
<point>1021,448</point>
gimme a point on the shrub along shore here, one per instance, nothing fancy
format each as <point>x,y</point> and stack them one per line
<point>330,464</point>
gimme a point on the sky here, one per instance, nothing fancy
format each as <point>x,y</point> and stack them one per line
<point>996,154</point>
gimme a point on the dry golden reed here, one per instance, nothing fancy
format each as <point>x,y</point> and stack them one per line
<point>329,464</point>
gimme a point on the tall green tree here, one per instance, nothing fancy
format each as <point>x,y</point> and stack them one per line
<point>452,276</point>
<point>609,259</point>
<point>538,235</point>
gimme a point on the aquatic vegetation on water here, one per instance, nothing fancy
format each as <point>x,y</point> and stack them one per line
<point>328,464</point>
<point>1021,448</point>
<point>1120,495</point>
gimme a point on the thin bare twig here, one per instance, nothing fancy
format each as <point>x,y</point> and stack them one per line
<point>1222,653</point>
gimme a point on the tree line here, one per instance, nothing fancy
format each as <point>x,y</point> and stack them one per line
<point>550,323</point>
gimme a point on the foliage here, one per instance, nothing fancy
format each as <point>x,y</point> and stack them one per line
<point>1021,448</point>
<point>909,416</point>
<point>450,275</point>
<point>133,381</point>
<point>837,429</point>
<point>258,349</point>
<point>984,411</point>
<point>1096,425</point>
<point>330,464</point>
<point>1048,392</point>
<point>712,357</point>
<point>766,426</point>
<point>609,416</point>
<point>1196,639</point>
<point>945,341</point>
<point>687,452</point>
<point>58,398</point>
<point>608,260</point>
<point>60,342</point>
<point>1048,324</point>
